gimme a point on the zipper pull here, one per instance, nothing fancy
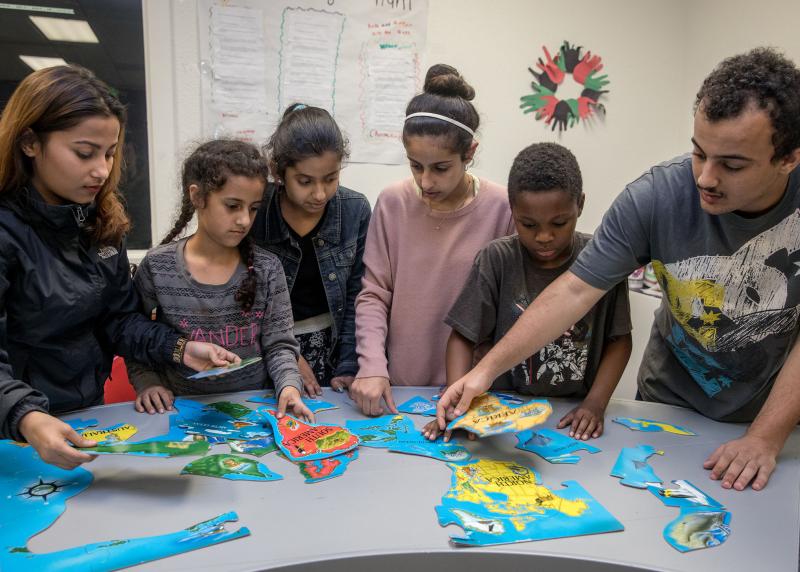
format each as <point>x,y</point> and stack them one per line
<point>80,218</point>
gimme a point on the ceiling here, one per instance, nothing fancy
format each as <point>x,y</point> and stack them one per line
<point>118,59</point>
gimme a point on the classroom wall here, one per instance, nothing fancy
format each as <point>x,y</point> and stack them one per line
<point>721,28</point>
<point>638,40</point>
<point>656,53</point>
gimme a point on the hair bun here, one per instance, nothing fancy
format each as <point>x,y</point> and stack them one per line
<point>445,80</point>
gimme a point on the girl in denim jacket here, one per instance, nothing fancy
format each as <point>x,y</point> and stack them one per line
<point>318,230</point>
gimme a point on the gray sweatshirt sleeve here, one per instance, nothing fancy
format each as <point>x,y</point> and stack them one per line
<point>279,346</point>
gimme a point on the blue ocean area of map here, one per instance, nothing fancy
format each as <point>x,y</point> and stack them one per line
<point>632,467</point>
<point>703,521</point>
<point>418,444</point>
<point>382,431</point>
<point>314,405</point>
<point>552,446</point>
<point>418,405</point>
<point>33,495</point>
<point>485,528</point>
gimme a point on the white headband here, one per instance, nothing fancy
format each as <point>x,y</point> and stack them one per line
<point>442,118</point>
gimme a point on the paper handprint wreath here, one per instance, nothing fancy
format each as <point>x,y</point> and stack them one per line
<point>564,113</point>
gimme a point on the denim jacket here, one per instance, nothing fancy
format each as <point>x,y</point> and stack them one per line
<point>339,245</point>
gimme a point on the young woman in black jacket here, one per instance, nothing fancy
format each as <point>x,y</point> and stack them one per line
<point>67,302</point>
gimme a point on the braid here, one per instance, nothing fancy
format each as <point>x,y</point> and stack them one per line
<point>183,218</point>
<point>246,295</point>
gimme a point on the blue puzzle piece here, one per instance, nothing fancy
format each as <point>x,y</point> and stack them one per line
<point>695,529</point>
<point>519,518</point>
<point>314,405</point>
<point>33,495</point>
<point>383,431</point>
<point>552,446</point>
<point>650,426</point>
<point>416,444</point>
<point>80,424</point>
<point>685,495</point>
<point>632,467</point>
<point>703,521</point>
<point>418,405</point>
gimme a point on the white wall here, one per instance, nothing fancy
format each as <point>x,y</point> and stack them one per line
<point>656,53</point>
<point>493,49</point>
<point>717,29</point>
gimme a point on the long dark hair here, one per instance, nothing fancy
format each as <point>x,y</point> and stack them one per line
<point>56,99</point>
<point>304,131</point>
<point>209,167</point>
<point>445,93</point>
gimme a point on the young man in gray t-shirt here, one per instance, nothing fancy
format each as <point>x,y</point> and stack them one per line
<point>722,230</point>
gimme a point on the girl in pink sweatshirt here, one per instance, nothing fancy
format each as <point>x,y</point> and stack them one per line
<point>423,237</point>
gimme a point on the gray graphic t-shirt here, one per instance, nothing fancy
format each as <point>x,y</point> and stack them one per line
<point>731,285</point>
<point>503,281</point>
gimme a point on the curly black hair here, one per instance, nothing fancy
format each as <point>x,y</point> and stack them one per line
<point>545,167</point>
<point>209,167</point>
<point>763,77</point>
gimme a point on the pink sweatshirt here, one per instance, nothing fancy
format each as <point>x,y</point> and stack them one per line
<point>413,274</point>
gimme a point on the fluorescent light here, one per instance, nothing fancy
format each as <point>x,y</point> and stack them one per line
<point>62,30</point>
<point>29,8</point>
<point>38,62</point>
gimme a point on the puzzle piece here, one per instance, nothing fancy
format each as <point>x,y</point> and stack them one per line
<point>301,441</point>
<point>650,426</point>
<point>417,444</point>
<point>493,414</point>
<point>33,495</point>
<point>633,469</point>
<point>500,502</point>
<point>552,446</point>
<point>115,434</point>
<point>152,449</point>
<point>231,467</point>
<point>418,405</point>
<point>314,405</point>
<point>382,431</point>
<point>324,469</point>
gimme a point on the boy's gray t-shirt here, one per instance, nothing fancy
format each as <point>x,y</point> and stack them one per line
<point>210,313</point>
<point>731,289</point>
<point>503,281</point>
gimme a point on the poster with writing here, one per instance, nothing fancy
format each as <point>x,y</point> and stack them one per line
<point>361,60</point>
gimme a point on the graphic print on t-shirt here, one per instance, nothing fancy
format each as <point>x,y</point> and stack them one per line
<point>562,360</point>
<point>728,303</point>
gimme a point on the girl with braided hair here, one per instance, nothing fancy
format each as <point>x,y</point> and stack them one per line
<point>216,285</point>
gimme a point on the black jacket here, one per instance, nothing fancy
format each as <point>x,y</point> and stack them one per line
<point>66,307</point>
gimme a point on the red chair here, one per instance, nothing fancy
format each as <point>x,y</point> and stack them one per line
<point>118,388</point>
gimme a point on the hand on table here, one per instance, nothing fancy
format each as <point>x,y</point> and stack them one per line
<point>154,399</point>
<point>585,421</point>
<point>431,431</point>
<point>310,384</point>
<point>746,460</point>
<point>369,392</point>
<point>291,399</point>
<point>49,436</point>
<point>342,383</point>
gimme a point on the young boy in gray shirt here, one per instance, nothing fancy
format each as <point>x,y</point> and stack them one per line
<point>546,196</point>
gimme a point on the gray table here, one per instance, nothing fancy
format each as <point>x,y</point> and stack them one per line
<point>380,514</point>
